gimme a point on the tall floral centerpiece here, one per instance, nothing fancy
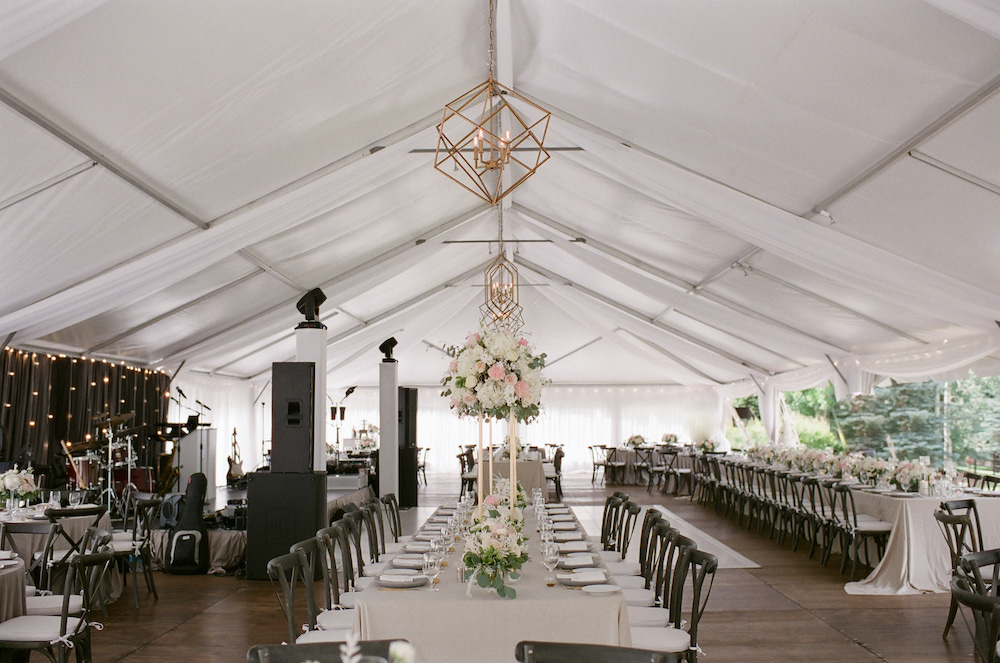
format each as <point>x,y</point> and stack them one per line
<point>17,485</point>
<point>495,375</point>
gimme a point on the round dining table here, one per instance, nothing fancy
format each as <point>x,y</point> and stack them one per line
<point>11,588</point>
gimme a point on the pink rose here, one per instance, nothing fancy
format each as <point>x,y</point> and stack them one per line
<point>496,371</point>
<point>480,366</point>
<point>491,500</point>
<point>472,340</point>
<point>510,378</point>
<point>522,390</point>
<point>469,398</point>
<point>523,343</point>
<point>454,401</point>
<point>453,366</point>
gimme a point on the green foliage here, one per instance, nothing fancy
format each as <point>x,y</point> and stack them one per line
<point>814,432</point>
<point>754,428</point>
<point>916,415</point>
<point>811,402</point>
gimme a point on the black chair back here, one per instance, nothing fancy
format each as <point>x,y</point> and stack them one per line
<point>320,652</point>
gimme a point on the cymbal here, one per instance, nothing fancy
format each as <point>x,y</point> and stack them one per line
<point>99,418</point>
<point>120,419</point>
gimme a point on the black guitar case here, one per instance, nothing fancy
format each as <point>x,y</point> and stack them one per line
<point>187,546</point>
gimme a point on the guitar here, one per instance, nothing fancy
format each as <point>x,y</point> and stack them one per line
<point>235,474</point>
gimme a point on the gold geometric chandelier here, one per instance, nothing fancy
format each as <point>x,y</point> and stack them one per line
<point>491,139</point>
<point>501,309</point>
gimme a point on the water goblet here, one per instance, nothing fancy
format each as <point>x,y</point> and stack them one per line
<point>431,567</point>
<point>54,499</point>
<point>74,498</point>
<point>550,558</point>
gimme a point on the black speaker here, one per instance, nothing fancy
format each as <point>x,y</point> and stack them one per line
<point>282,509</point>
<point>292,417</point>
<point>407,418</point>
<point>407,447</point>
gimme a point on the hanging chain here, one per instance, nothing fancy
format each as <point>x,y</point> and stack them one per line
<point>491,40</point>
<point>500,225</point>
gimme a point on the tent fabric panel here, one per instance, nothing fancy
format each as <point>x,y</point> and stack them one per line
<point>293,76</point>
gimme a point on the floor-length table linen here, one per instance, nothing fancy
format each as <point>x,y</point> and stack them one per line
<point>448,625</point>
<point>916,558</point>
<point>11,589</point>
<point>530,474</point>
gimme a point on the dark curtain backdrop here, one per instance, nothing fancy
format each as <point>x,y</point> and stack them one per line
<point>47,400</point>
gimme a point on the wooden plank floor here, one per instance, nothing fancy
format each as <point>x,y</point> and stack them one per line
<point>791,609</point>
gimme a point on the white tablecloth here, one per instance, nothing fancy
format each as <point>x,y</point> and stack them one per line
<point>916,558</point>
<point>12,590</point>
<point>530,474</point>
<point>449,626</point>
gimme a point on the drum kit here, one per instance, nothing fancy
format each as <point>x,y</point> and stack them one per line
<point>111,462</point>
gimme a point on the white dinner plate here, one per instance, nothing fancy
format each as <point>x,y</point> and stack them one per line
<point>386,580</point>
<point>600,589</point>
<point>582,577</point>
<point>577,562</point>
<point>7,562</point>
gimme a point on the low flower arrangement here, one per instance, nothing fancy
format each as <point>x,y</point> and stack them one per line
<point>493,374</point>
<point>908,475</point>
<point>494,551</point>
<point>501,493</point>
<point>905,474</point>
<point>704,445</point>
<point>18,484</point>
<point>635,441</point>
<point>669,438</point>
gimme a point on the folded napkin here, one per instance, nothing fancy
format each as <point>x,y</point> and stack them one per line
<point>426,536</point>
<point>417,546</point>
<point>401,563</point>
<point>576,562</point>
<point>399,572</point>
<point>562,517</point>
<point>6,554</point>
<point>385,579</point>
<point>562,527</point>
<point>410,556</point>
<point>562,537</point>
<point>586,577</point>
<point>574,546</point>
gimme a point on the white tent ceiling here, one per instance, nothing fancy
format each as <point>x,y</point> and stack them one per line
<point>759,186</point>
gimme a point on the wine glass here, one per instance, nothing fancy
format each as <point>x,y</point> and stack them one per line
<point>550,557</point>
<point>54,499</point>
<point>74,498</point>
<point>431,567</point>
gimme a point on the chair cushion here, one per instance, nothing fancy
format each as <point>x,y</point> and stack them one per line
<point>639,597</point>
<point>30,590</point>
<point>35,628</point>
<point>361,583</point>
<point>874,527</point>
<point>52,604</point>
<point>651,617</point>
<point>610,556</point>
<point>336,635</point>
<point>330,620</point>
<point>374,569</point>
<point>630,582</point>
<point>624,568</point>
<point>660,639</point>
<point>122,545</point>
<point>349,599</point>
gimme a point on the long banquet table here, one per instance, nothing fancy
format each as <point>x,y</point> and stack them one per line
<point>916,559</point>
<point>448,625</point>
<point>530,473</point>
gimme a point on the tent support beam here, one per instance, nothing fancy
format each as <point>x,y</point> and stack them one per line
<point>697,342</point>
<point>951,170</point>
<point>830,302</point>
<point>356,274</point>
<point>650,270</point>
<point>653,291</point>
<point>963,107</point>
<point>727,269</point>
<point>258,262</point>
<point>174,311</point>
<point>548,364</point>
<point>47,184</point>
<point>381,317</point>
<point>95,155</point>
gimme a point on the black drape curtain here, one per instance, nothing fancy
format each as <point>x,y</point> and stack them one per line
<point>48,400</point>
